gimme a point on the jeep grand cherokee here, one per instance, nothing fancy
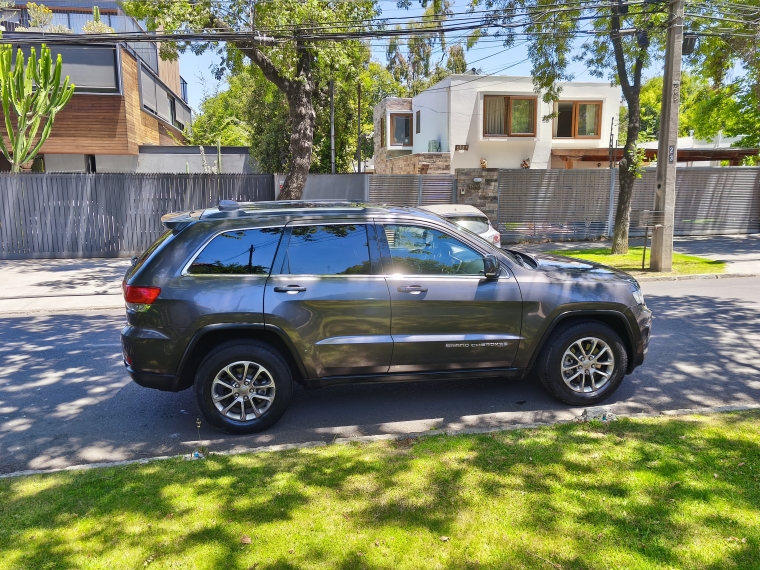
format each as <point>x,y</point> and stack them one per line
<point>241,301</point>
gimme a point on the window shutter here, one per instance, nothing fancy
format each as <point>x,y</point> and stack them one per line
<point>148,90</point>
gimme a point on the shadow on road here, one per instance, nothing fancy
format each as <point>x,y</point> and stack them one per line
<point>65,397</point>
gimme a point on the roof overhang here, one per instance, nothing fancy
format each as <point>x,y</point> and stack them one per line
<point>682,154</point>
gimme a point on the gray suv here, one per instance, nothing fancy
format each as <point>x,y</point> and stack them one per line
<point>241,301</point>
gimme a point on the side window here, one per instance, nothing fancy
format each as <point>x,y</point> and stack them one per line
<point>243,252</point>
<point>423,251</point>
<point>328,250</point>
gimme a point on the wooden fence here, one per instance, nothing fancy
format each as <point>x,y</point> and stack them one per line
<point>106,215</point>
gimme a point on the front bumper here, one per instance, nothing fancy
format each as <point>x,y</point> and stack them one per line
<point>644,321</point>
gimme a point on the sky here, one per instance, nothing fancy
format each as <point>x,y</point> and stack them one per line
<point>488,55</point>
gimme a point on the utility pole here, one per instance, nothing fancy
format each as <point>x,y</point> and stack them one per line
<point>665,189</point>
<point>359,129</point>
<point>332,125</point>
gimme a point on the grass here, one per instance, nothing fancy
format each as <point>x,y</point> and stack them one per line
<point>631,261</point>
<point>648,494</point>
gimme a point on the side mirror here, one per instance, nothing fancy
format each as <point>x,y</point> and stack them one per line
<point>491,267</point>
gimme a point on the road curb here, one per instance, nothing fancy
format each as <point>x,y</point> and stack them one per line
<point>380,437</point>
<point>697,276</point>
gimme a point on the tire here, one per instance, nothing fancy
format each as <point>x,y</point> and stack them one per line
<point>263,401</point>
<point>569,350</point>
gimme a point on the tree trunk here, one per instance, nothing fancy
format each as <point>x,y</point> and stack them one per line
<point>299,92</point>
<point>631,87</point>
<point>626,179</point>
<point>302,120</point>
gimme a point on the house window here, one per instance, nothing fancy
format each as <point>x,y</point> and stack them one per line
<point>417,123</point>
<point>401,130</point>
<point>577,119</point>
<point>509,116</point>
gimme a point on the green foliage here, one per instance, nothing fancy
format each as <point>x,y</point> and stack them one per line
<point>223,116</point>
<point>409,61</point>
<point>253,112</point>
<point>32,95</point>
<point>695,92</point>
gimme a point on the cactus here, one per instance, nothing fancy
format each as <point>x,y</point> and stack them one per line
<point>40,15</point>
<point>35,94</point>
<point>96,26</point>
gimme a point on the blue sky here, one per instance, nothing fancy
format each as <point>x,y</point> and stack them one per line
<point>488,55</point>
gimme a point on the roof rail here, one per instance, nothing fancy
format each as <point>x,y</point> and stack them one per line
<point>228,205</point>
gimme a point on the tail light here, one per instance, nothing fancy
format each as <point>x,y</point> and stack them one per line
<point>497,239</point>
<point>139,298</point>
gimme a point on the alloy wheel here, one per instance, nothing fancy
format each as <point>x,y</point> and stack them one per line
<point>587,364</point>
<point>243,391</point>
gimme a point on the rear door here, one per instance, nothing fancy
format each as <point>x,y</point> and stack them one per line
<point>446,314</point>
<point>328,293</point>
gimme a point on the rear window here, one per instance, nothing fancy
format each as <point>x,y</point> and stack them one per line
<point>475,224</point>
<point>164,237</point>
<point>242,252</point>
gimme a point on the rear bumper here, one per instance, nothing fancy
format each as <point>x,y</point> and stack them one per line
<point>163,382</point>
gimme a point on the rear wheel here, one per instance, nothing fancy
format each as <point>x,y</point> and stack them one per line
<point>583,363</point>
<point>243,387</point>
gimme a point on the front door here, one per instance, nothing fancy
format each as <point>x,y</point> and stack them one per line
<point>446,314</point>
<point>327,293</point>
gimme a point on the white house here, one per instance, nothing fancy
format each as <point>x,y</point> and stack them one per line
<point>466,121</point>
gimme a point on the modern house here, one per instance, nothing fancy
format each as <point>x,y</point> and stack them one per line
<point>126,96</point>
<point>471,121</point>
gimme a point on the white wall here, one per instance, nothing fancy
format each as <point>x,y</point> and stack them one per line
<point>466,120</point>
<point>433,106</point>
<point>115,163</point>
<point>64,163</point>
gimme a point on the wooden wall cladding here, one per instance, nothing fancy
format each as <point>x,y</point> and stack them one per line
<point>108,124</point>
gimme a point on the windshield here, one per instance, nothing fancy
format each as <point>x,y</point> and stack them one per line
<point>475,224</point>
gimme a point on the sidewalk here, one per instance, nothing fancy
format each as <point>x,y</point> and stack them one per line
<point>61,285</point>
<point>53,285</point>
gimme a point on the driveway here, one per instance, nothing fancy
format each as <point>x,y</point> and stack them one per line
<point>65,398</point>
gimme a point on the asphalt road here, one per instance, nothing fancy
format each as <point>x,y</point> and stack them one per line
<point>65,398</point>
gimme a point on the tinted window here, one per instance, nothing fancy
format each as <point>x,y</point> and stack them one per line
<point>423,251</point>
<point>327,250</point>
<point>475,224</point>
<point>244,252</point>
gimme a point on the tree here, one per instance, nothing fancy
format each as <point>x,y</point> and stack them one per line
<point>410,61</point>
<point>297,68</point>
<point>695,92</point>
<point>623,41</point>
<point>32,95</point>
<point>222,116</point>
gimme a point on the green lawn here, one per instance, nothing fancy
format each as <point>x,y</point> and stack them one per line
<point>659,493</point>
<point>631,262</point>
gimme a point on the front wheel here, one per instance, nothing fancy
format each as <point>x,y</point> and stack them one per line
<point>243,387</point>
<point>583,363</point>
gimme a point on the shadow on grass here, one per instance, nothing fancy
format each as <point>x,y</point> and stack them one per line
<point>628,495</point>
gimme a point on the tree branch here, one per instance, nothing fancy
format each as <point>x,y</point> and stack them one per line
<point>268,68</point>
<point>617,46</point>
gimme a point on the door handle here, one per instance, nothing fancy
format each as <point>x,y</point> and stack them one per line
<point>292,289</point>
<point>414,289</point>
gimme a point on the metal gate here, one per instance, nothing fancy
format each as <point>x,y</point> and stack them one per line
<point>412,189</point>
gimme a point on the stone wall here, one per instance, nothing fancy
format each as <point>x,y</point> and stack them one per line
<point>483,195</point>
<point>382,154</point>
<point>420,163</point>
